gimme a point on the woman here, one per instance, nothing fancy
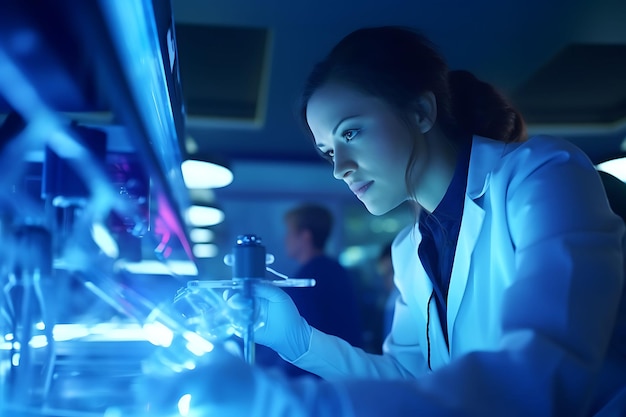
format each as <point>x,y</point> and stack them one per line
<point>511,279</point>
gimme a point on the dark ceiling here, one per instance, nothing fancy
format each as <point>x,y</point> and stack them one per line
<point>244,62</point>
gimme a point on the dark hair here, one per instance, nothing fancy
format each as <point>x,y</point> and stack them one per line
<point>314,218</point>
<point>397,65</point>
<point>479,109</point>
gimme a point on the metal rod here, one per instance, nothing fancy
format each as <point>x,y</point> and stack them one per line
<point>248,336</point>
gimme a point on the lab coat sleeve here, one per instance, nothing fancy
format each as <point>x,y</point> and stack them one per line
<point>331,357</point>
<point>557,314</point>
<point>403,356</point>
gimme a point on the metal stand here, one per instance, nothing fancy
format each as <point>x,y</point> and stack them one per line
<point>249,261</point>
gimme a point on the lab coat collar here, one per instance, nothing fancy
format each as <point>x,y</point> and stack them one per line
<point>484,154</point>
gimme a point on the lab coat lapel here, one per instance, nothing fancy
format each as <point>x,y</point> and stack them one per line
<point>471,225</point>
<point>482,158</point>
<point>422,289</point>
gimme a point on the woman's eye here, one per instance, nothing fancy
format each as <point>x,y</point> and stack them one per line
<point>350,134</point>
<point>328,155</point>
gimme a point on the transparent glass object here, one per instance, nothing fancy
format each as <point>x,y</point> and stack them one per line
<point>206,312</point>
<point>187,329</point>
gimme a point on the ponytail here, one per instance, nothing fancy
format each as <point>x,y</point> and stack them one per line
<point>478,108</point>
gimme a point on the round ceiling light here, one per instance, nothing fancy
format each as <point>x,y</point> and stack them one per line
<point>203,216</point>
<point>203,174</point>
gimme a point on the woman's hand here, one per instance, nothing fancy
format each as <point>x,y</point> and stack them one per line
<point>279,324</point>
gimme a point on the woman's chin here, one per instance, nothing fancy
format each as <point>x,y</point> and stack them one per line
<point>376,209</point>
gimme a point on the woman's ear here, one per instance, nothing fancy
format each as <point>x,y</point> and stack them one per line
<point>426,111</point>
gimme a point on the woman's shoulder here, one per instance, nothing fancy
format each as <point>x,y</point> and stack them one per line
<point>547,144</point>
<point>536,143</point>
<point>509,164</point>
<point>533,152</point>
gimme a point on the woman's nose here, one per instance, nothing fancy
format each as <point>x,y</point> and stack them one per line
<point>343,165</point>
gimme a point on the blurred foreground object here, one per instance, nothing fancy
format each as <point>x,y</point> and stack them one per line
<point>91,115</point>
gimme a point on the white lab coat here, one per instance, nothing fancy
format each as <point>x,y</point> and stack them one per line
<point>535,323</point>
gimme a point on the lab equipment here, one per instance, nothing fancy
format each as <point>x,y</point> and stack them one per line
<point>91,202</point>
<point>29,297</point>
<point>198,326</point>
<point>249,262</point>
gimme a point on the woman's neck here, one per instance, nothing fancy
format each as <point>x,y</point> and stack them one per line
<point>435,178</point>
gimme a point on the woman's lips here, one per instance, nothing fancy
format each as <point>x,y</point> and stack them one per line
<point>360,188</point>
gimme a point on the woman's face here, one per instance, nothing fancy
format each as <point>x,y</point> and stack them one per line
<point>368,143</point>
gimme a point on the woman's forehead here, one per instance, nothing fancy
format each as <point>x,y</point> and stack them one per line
<point>334,102</point>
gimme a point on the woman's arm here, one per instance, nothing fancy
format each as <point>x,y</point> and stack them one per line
<point>332,358</point>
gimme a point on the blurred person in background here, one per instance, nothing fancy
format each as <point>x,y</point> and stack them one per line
<point>331,305</point>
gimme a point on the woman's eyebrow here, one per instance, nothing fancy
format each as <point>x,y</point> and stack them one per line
<point>341,121</point>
